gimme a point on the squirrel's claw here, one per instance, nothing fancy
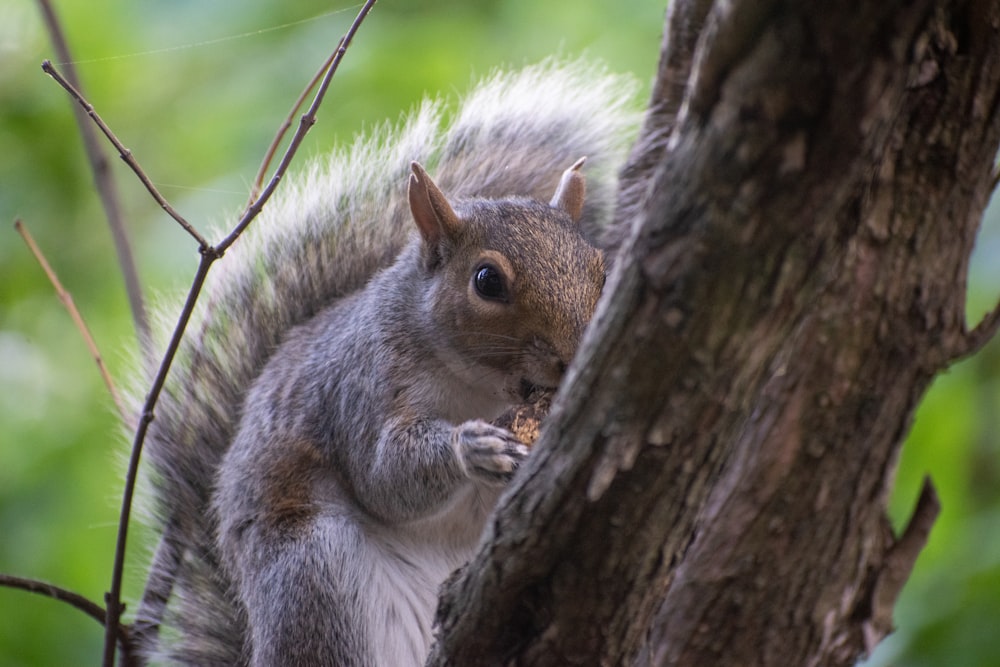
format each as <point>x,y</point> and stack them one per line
<point>488,453</point>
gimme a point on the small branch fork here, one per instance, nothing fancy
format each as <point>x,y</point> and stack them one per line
<point>258,181</point>
<point>91,609</point>
<point>124,153</point>
<point>899,562</point>
<point>975,338</point>
<point>111,616</point>
<point>95,611</point>
<point>208,255</point>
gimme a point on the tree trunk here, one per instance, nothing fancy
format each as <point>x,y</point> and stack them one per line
<point>797,219</point>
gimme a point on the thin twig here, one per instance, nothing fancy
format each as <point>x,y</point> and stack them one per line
<point>87,606</point>
<point>901,556</point>
<point>208,255</point>
<point>305,123</point>
<point>258,181</point>
<point>67,300</point>
<point>977,337</point>
<point>123,152</point>
<point>105,184</point>
<point>115,606</point>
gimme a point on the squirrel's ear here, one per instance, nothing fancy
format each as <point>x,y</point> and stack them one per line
<point>430,208</point>
<point>571,191</point>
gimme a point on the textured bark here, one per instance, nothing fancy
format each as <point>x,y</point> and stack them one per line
<point>710,486</point>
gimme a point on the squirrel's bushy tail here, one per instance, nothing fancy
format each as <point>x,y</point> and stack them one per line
<point>323,236</point>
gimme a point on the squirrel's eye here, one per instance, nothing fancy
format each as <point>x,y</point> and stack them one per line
<point>490,283</point>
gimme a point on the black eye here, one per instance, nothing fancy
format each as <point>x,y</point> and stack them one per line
<point>490,283</point>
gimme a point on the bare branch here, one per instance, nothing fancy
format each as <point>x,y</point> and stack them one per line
<point>67,300</point>
<point>306,122</point>
<point>208,256</point>
<point>87,606</point>
<point>115,606</point>
<point>258,181</point>
<point>685,20</point>
<point>977,337</point>
<point>899,562</point>
<point>123,152</point>
<point>105,184</point>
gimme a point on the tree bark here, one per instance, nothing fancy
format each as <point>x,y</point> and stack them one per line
<point>796,223</point>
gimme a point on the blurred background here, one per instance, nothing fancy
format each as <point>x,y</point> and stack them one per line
<point>196,91</point>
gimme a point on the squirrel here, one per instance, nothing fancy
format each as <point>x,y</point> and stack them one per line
<point>322,456</point>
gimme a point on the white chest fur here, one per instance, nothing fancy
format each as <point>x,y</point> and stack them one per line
<point>408,564</point>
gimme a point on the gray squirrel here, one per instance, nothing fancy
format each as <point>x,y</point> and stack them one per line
<point>322,456</point>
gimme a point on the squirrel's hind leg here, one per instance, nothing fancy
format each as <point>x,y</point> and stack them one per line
<point>304,594</point>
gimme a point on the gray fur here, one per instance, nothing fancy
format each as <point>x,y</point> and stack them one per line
<point>365,405</point>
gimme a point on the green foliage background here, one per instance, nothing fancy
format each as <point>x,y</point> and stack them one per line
<point>196,90</point>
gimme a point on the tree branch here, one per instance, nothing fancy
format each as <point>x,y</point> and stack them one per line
<point>104,182</point>
<point>113,599</point>
<point>88,607</point>
<point>685,20</point>
<point>977,337</point>
<point>899,562</point>
<point>124,153</point>
<point>258,181</point>
<point>709,486</point>
<point>208,256</point>
<point>305,123</point>
<point>67,300</point>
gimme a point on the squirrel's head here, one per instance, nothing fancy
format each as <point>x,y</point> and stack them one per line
<point>514,282</point>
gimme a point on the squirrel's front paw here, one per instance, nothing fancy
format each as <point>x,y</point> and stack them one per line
<point>488,452</point>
